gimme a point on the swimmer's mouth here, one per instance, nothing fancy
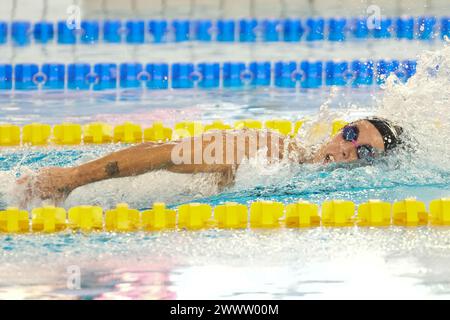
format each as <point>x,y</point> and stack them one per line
<point>328,158</point>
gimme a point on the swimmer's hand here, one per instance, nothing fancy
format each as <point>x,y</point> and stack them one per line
<point>53,184</point>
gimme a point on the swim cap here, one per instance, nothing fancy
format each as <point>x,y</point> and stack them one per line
<point>389,132</point>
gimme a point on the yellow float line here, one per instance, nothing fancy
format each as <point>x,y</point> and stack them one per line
<point>196,216</point>
<point>38,134</point>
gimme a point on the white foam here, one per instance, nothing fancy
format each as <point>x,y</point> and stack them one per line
<point>422,106</point>
<point>141,191</point>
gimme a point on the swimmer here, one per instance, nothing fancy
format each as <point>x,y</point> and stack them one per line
<point>221,152</point>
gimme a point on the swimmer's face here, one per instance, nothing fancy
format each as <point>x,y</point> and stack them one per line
<point>340,150</point>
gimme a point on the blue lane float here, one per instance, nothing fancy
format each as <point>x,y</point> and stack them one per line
<point>43,32</point>
<point>6,82</point>
<point>158,76</point>
<point>445,27</point>
<point>181,30</point>
<point>21,33</point>
<point>337,29</point>
<point>336,73</point>
<point>78,76</point>
<point>358,28</point>
<point>208,75</point>
<point>135,31</point>
<point>112,31</point>
<point>52,76</point>
<point>24,76</point>
<point>226,30</point>
<point>425,28</point>
<point>249,30</point>
<point>3,32</point>
<point>292,30</point>
<point>90,31</point>
<point>203,30</point>
<point>131,75</point>
<point>315,29</point>
<point>205,75</point>
<point>65,34</point>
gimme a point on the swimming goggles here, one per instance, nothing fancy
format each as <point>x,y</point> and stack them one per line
<point>363,151</point>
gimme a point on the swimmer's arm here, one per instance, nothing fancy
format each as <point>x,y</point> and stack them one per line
<point>147,157</point>
<point>131,161</point>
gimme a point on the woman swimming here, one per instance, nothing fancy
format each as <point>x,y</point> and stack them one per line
<point>218,152</point>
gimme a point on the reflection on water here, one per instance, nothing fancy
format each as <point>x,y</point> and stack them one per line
<point>217,264</point>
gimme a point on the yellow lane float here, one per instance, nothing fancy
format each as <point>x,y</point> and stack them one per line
<point>128,133</point>
<point>248,124</point>
<point>97,132</point>
<point>157,133</point>
<point>266,214</point>
<point>282,126</point>
<point>440,212</point>
<point>217,125</point>
<point>86,218</point>
<point>374,213</point>
<point>231,215</point>
<point>338,213</point>
<point>67,134</point>
<point>302,214</point>
<point>409,212</point>
<point>194,216</point>
<point>36,134</point>
<point>122,219</point>
<point>9,135</point>
<point>13,220</point>
<point>48,219</point>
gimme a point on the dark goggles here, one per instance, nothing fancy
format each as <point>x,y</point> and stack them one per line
<point>363,151</point>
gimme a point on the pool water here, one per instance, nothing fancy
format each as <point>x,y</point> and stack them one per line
<point>326,263</point>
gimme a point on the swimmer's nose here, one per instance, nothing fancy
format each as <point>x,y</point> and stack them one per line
<point>344,152</point>
<point>347,151</point>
